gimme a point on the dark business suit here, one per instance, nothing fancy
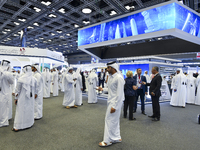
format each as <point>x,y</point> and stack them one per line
<point>101,81</point>
<point>140,92</point>
<point>155,85</point>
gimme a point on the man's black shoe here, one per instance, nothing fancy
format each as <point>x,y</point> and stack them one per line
<point>155,119</point>
<point>144,113</point>
<point>151,116</point>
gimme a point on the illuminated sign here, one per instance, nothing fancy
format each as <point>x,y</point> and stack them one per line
<point>161,18</point>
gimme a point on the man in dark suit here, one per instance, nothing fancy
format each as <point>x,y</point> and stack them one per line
<point>155,93</point>
<point>101,77</point>
<point>141,91</point>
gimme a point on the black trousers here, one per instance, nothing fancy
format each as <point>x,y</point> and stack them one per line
<point>156,106</point>
<point>141,94</point>
<point>129,102</point>
<point>101,82</point>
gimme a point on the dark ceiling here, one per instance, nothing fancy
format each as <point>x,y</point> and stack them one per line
<point>55,26</point>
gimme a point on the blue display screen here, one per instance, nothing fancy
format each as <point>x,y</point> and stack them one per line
<point>133,68</point>
<point>156,19</point>
<point>187,21</point>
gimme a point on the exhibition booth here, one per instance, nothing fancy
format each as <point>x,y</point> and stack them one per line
<point>20,56</point>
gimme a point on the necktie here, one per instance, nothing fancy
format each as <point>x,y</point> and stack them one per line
<point>139,76</point>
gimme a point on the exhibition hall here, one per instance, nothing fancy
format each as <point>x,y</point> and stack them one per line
<point>93,74</point>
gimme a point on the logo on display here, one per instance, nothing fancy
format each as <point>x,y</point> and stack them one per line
<point>22,51</point>
<point>198,55</point>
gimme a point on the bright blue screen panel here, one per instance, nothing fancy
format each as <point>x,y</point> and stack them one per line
<point>133,67</point>
<point>157,19</point>
<point>187,21</point>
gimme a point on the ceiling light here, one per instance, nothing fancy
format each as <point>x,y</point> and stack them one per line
<point>60,45</point>
<point>53,34</point>
<point>37,9</point>
<point>36,24</point>
<point>76,26</point>
<point>159,38</point>
<point>68,34</point>
<point>61,37</point>
<point>52,16</point>
<point>5,40</point>
<point>113,13</point>
<point>77,49</point>
<point>19,32</point>
<point>41,38</point>
<point>36,39</point>
<point>46,3</point>
<point>2,42</point>
<point>56,48</point>
<point>71,45</point>
<point>128,43</point>
<point>4,32</point>
<point>15,34</point>
<point>62,10</point>
<point>76,41</point>
<point>8,39</point>
<point>63,51</point>
<point>7,30</point>
<point>16,23</point>
<point>29,27</point>
<point>23,20</point>
<point>86,22</point>
<point>59,31</point>
<point>49,40</point>
<point>86,10</point>
<point>129,7</point>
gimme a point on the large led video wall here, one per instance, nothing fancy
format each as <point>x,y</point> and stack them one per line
<point>161,18</point>
<point>133,67</point>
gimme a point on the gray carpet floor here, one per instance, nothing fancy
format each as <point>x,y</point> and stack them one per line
<point>82,129</point>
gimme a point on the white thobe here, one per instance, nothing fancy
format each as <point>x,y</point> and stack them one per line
<point>5,80</point>
<point>51,88</point>
<point>174,86</point>
<point>38,108</point>
<point>147,78</point>
<point>78,91</point>
<point>115,100</point>
<point>197,101</point>
<point>92,85</point>
<point>55,83</point>
<point>24,116</point>
<point>179,97</point>
<point>69,94</point>
<point>191,87</point>
<point>47,82</point>
<point>60,82</point>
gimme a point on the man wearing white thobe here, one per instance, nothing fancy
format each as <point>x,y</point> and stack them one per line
<point>78,88</point>
<point>197,101</point>
<point>55,82</point>
<point>69,94</point>
<point>92,86</point>
<point>179,89</point>
<point>25,97</point>
<point>51,75</point>
<point>47,83</point>
<point>38,110</point>
<point>191,87</point>
<point>6,78</point>
<point>147,77</point>
<point>114,104</point>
